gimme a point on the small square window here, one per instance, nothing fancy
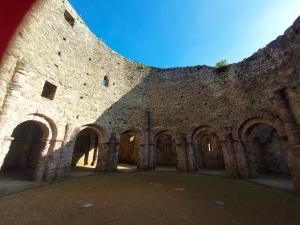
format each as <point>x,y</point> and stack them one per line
<point>49,90</point>
<point>69,18</point>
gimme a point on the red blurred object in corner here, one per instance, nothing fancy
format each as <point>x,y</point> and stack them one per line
<point>11,14</point>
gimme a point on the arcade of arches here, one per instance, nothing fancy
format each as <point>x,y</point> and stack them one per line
<point>265,150</point>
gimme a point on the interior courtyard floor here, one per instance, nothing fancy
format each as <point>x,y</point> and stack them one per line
<point>151,198</point>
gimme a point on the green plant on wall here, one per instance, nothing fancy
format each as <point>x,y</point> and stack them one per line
<point>141,66</point>
<point>222,65</point>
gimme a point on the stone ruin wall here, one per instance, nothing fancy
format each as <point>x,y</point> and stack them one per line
<point>48,48</point>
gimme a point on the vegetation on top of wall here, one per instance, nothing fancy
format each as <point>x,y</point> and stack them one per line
<point>222,65</point>
<point>141,66</point>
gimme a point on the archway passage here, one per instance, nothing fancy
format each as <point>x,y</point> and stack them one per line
<point>22,159</point>
<point>85,153</point>
<point>129,151</point>
<point>209,152</point>
<point>165,150</point>
<point>265,151</point>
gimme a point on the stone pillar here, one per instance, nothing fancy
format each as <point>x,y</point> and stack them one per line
<point>149,143</point>
<point>182,156</point>
<point>229,156</point>
<point>241,159</point>
<point>108,155</point>
<point>294,100</point>
<point>142,163</point>
<point>284,103</point>
<point>60,167</point>
<point>152,156</point>
<point>44,169</point>
<point>191,157</point>
<point>284,110</point>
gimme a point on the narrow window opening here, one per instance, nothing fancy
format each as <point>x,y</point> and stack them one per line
<point>69,18</point>
<point>49,90</point>
<point>209,147</point>
<point>105,81</point>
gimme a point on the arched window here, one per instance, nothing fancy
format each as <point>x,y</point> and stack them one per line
<point>105,81</point>
<point>209,146</point>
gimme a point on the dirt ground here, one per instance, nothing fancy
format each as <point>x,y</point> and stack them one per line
<point>151,198</point>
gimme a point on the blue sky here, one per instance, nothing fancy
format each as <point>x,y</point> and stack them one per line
<point>170,33</point>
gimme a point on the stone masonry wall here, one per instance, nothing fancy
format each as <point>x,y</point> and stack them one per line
<point>55,45</point>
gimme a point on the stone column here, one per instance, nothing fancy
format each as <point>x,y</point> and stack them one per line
<point>285,101</point>
<point>182,156</point>
<point>142,162</point>
<point>285,113</point>
<point>241,159</point>
<point>229,156</point>
<point>149,143</point>
<point>67,156</point>
<point>191,157</point>
<point>293,95</point>
<point>152,156</point>
<point>294,100</point>
<point>108,155</point>
<point>44,169</point>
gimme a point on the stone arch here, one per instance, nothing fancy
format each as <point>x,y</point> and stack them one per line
<point>207,148</point>
<point>88,142</point>
<point>244,126</point>
<point>130,148</point>
<point>264,144</point>
<point>165,148</point>
<point>49,132</point>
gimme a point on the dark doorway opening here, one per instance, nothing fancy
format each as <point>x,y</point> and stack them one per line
<point>129,151</point>
<point>28,142</point>
<point>165,150</point>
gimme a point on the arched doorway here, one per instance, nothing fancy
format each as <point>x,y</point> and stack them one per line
<point>86,149</point>
<point>165,150</point>
<point>265,151</point>
<point>209,152</point>
<point>129,150</point>
<point>209,157</point>
<point>25,151</point>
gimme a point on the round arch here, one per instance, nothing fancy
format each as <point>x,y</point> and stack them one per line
<point>26,157</point>
<point>129,151</point>
<point>264,144</point>
<point>207,148</point>
<point>42,168</point>
<point>165,148</point>
<point>245,127</point>
<point>88,141</point>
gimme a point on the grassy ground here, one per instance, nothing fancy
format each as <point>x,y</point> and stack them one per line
<point>165,198</point>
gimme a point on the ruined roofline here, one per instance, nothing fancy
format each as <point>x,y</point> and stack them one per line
<point>295,27</point>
